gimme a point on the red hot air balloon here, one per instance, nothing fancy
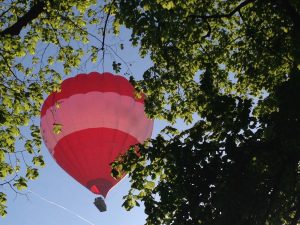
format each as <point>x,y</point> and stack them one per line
<point>98,117</point>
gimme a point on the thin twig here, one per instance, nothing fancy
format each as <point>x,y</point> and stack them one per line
<point>9,181</point>
<point>98,39</point>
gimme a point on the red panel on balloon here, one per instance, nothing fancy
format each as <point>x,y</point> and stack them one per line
<point>86,156</point>
<point>84,83</point>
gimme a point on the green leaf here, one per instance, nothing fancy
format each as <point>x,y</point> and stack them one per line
<point>57,128</point>
<point>3,198</point>
<point>5,170</point>
<point>32,173</point>
<point>142,194</point>
<point>3,201</point>
<point>50,60</point>
<point>21,184</point>
<point>116,66</point>
<point>28,147</point>
<point>116,27</point>
<point>130,202</point>
<point>149,185</point>
<point>57,104</point>
<point>115,173</point>
<point>38,161</point>
<point>15,131</point>
<point>168,5</point>
<point>2,155</point>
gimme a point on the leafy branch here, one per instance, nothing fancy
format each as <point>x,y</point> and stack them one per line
<point>32,14</point>
<point>226,15</point>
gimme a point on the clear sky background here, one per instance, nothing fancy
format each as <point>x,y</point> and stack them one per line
<point>55,198</point>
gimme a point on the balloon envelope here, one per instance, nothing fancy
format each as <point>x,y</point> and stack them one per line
<point>96,118</point>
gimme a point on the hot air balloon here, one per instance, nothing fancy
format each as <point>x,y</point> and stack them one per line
<point>94,118</point>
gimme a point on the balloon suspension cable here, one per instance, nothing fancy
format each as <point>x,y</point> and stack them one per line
<point>62,207</point>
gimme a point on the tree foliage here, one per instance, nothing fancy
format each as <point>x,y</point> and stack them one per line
<point>231,68</point>
<point>39,41</point>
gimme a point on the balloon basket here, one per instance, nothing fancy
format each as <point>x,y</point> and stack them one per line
<point>100,204</point>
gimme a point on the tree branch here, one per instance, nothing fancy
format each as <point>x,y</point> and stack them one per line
<point>209,30</point>
<point>6,11</point>
<point>227,15</point>
<point>32,14</point>
<point>8,181</point>
<point>104,32</point>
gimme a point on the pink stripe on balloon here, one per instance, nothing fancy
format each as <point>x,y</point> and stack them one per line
<point>84,83</point>
<point>95,110</point>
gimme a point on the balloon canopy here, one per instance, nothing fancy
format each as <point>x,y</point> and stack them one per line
<point>94,118</point>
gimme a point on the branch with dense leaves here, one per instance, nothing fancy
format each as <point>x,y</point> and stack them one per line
<point>238,164</point>
<point>227,15</point>
<point>32,14</point>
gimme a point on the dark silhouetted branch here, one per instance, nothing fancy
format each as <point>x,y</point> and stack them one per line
<point>227,15</point>
<point>32,14</point>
